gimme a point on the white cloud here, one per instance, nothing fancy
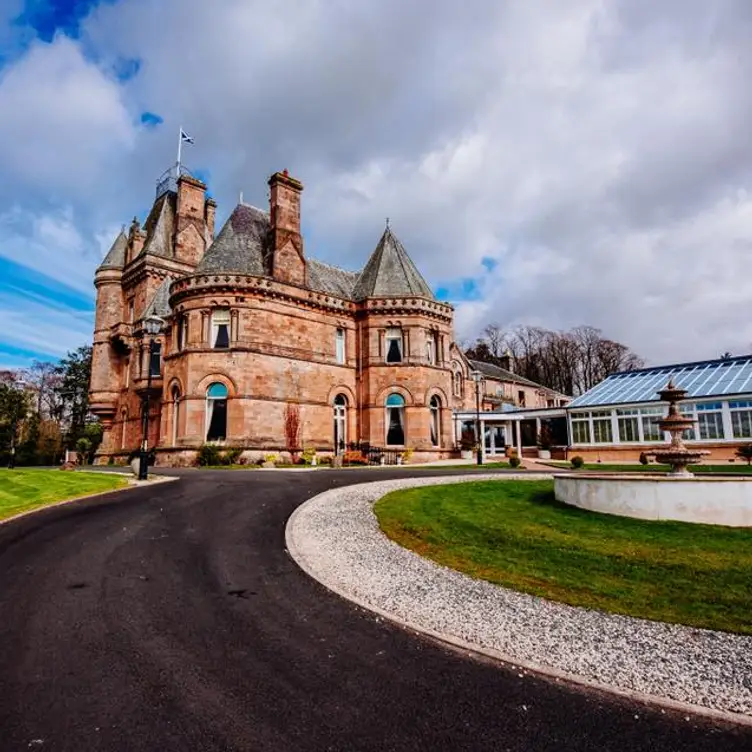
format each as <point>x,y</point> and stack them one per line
<point>598,152</point>
<point>63,122</point>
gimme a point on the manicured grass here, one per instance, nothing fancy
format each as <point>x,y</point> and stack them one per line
<point>26,488</point>
<point>653,468</point>
<point>514,533</point>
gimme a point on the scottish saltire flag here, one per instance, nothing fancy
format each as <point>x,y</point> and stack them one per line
<point>185,137</point>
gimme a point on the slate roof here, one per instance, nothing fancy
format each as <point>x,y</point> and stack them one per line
<point>390,273</point>
<point>241,245</point>
<point>501,374</point>
<point>159,227</point>
<point>160,303</point>
<point>327,278</point>
<point>115,258</point>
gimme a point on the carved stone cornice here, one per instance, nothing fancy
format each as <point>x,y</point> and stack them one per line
<point>200,285</point>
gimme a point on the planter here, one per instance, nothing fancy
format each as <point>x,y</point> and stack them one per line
<point>466,454</point>
<point>135,462</point>
<point>544,454</point>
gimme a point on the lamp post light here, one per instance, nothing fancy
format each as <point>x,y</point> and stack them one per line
<point>152,326</point>
<point>477,377</point>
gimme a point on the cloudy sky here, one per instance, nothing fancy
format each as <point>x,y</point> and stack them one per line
<point>550,163</point>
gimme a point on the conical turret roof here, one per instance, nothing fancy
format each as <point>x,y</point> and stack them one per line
<point>390,272</point>
<point>115,258</point>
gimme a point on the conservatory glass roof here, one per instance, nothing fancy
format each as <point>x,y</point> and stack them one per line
<point>708,378</point>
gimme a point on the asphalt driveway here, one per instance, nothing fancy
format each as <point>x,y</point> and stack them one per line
<point>171,618</point>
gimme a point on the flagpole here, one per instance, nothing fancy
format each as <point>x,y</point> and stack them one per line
<point>180,146</point>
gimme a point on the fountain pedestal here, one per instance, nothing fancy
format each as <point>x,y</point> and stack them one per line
<point>675,423</point>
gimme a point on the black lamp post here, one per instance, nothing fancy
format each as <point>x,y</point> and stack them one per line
<point>152,326</point>
<point>477,378</point>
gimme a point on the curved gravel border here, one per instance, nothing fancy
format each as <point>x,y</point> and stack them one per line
<point>335,538</point>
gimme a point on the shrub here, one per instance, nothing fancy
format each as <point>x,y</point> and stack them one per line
<point>308,454</point>
<point>83,448</point>
<point>467,440</point>
<point>577,462</point>
<point>209,455</point>
<point>744,452</point>
<point>271,457</point>
<point>545,438</point>
<point>644,459</point>
<point>231,456</point>
<point>514,461</point>
<point>354,457</point>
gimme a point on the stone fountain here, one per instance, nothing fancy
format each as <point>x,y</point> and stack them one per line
<point>675,423</point>
<point>723,499</point>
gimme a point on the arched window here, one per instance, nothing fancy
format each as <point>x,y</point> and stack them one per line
<point>435,406</point>
<point>458,383</point>
<point>175,413</point>
<point>216,412</point>
<point>395,420</point>
<point>340,423</point>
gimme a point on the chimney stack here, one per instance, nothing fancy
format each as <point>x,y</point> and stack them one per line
<point>288,261</point>
<point>507,361</point>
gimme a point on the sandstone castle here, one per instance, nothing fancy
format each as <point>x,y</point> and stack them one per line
<point>252,325</point>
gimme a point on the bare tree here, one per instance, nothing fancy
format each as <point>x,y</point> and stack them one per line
<point>569,362</point>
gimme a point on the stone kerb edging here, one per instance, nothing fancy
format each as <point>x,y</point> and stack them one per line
<point>335,538</point>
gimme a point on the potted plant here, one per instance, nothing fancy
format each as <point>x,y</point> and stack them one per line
<point>467,444</point>
<point>404,457</point>
<point>544,442</point>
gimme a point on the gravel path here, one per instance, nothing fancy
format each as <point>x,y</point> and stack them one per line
<point>336,539</point>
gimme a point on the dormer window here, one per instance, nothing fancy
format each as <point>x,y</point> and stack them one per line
<point>220,328</point>
<point>394,345</point>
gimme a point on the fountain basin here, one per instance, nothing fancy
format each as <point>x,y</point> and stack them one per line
<point>706,499</point>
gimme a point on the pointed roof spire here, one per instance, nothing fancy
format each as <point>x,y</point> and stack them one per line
<point>390,272</point>
<point>115,258</point>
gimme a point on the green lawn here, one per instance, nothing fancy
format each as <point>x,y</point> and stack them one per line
<point>26,488</point>
<point>740,469</point>
<point>516,534</point>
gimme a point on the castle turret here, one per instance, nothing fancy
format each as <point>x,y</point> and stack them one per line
<point>104,388</point>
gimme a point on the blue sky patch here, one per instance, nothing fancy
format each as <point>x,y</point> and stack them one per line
<point>127,68</point>
<point>47,17</point>
<point>489,263</point>
<point>151,119</point>
<point>460,290</point>
<point>15,277</point>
